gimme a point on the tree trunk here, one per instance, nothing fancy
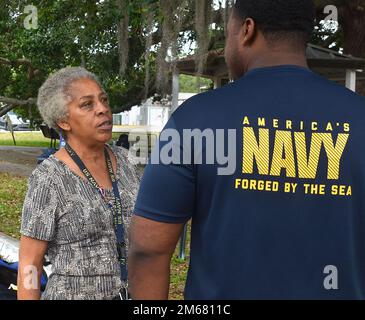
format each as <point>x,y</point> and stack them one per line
<point>353,24</point>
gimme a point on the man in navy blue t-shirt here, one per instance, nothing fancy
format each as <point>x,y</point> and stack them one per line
<point>271,170</point>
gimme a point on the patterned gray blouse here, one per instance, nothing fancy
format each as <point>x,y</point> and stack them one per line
<point>66,210</point>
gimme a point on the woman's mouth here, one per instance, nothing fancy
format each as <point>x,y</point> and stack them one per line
<point>106,125</point>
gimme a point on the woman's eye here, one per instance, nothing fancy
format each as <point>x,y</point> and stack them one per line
<point>87,105</point>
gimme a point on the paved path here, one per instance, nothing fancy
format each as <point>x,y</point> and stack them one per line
<point>21,149</point>
<point>19,161</point>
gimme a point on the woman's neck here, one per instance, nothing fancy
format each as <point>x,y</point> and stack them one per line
<point>90,153</point>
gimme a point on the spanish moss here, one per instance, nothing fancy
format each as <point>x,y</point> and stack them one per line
<point>123,35</point>
<point>203,14</point>
<point>149,41</point>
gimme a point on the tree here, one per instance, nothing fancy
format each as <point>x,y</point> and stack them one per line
<point>69,33</point>
<point>351,33</point>
<point>128,44</point>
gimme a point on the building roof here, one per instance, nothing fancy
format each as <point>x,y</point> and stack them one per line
<point>329,63</point>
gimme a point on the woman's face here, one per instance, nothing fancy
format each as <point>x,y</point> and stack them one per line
<point>89,116</point>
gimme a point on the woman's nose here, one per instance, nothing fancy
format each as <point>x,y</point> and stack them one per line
<point>102,108</point>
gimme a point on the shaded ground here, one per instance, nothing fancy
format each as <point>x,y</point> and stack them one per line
<point>19,161</point>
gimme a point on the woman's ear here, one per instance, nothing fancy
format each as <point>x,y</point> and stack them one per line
<point>64,126</point>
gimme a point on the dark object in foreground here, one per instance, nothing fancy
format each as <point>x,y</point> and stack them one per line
<point>9,252</point>
<point>51,134</point>
<point>46,154</point>
<point>54,136</point>
<point>6,294</point>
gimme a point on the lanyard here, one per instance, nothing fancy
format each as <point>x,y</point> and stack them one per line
<point>117,210</point>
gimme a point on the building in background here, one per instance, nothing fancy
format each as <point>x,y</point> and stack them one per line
<point>138,128</point>
<point>344,69</point>
<point>151,114</point>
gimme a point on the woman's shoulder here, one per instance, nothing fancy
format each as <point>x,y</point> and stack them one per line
<point>124,155</point>
<point>45,171</point>
<point>127,165</point>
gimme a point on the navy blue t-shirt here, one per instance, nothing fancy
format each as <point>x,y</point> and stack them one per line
<point>284,216</point>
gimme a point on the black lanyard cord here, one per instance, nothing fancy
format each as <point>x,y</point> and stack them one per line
<point>117,209</point>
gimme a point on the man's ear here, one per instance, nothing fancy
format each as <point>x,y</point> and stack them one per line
<point>248,32</point>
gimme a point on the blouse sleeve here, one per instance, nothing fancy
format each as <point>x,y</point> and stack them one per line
<point>39,209</point>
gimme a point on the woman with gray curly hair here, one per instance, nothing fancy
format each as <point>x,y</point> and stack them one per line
<point>80,200</point>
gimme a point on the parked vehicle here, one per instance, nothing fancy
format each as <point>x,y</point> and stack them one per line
<point>16,122</point>
<point>3,124</point>
<point>22,127</point>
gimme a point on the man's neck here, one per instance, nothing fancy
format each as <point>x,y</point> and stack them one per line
<point>277,58</point>
<point>89,153</point>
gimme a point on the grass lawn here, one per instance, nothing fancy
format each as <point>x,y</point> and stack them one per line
<point>25,139</point>
<point>179,271</point>
<point>12,193</point>
<point>32,139</point>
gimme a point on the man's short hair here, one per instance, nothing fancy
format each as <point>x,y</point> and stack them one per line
<point>280,20</point>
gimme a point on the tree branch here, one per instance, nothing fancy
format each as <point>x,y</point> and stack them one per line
<point>188,26</point>
<point>17,102</point>
<point>11,103</point>
<point>32,71</point>
<point>5,110</point>
<point>137,100</point>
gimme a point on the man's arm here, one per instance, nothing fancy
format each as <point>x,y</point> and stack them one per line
<point>31,257</point>
<point>152,246</point>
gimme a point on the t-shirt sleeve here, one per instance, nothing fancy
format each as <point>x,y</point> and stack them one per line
<point>167,190</point>
<point>39,209</point>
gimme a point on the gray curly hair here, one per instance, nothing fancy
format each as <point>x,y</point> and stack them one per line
<point>53,96</point>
